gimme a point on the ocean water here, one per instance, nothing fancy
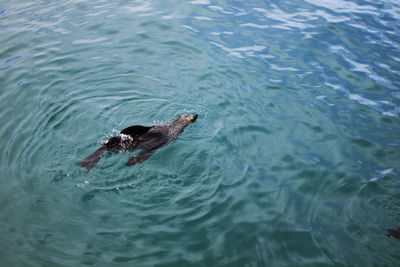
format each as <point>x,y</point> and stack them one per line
<point>293,161</point>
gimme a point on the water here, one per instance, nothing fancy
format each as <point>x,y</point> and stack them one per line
<point>294,159</point>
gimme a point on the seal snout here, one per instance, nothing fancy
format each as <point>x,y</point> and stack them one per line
<point>187,118</point>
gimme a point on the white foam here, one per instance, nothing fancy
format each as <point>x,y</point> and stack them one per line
<point>89,41</point>
<point>200,2</point>
<point>190,28</point>
<point>236,51</point>
<point>125,137</point>
<point>253,25</point>
<point>387,171</point>
<point>362,100</point>
<point>203,18</point>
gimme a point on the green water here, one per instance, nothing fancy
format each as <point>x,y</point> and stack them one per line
<point>293,161</point>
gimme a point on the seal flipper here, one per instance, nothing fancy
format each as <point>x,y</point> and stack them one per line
<point>136,130</point>
<point>92,160</point>
<point>139,158</point>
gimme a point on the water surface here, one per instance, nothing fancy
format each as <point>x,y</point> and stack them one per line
<point>293,161</point>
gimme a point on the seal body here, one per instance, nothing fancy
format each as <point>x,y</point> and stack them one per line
<point>146,138</point>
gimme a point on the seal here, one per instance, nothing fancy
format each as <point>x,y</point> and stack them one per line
<point>146,138</point>
<point>393,233</point>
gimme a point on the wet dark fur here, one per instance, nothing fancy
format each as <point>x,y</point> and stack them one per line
<point>146,138</point>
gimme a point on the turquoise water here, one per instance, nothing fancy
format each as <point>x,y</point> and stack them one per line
<point>293,161</point>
